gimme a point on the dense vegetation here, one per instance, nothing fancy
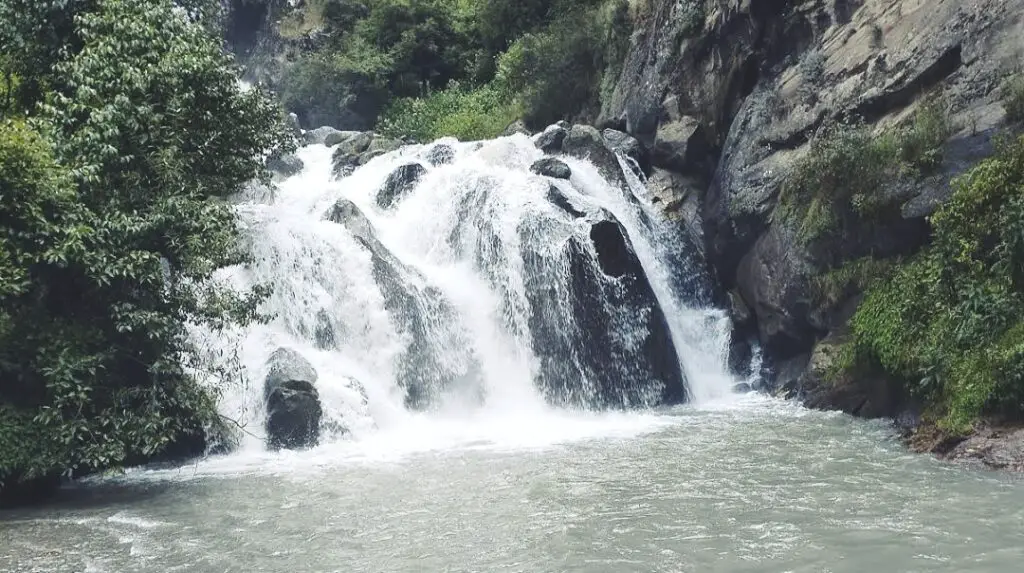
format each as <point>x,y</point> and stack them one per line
<point>949,321</point>
<point>945,323</point>
<point>122,129</point>
<point>450,67</point>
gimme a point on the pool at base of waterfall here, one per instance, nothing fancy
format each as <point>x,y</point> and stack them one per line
<point>750,484</point>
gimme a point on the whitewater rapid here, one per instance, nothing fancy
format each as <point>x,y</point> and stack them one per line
<point>322,279</point>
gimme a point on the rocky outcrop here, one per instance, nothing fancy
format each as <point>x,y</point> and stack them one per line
<point>399,183</point>
<point>727,95</point>
<point>584,362</point>
<point>293,403</point>
<point>551,167</point>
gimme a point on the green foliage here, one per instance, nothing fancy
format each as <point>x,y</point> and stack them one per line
<point>1013,98</point>
<point>558,71</point>
<point>465,114</point>
<point>855,276</point>
<point>551,59</point>
<point>113,218</point>
<point>844,178</point>
<point>949,321</point>
<point>337,88</point>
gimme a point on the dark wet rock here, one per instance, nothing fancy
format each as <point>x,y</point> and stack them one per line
<point>293,403</point>
<point>628,146</point>
<point>551,167</point>
<point>286,165</point>
<point>559,199</point>
<point>401,181</point>
<point>515,128</point>
<point>584,361</point>
<point>742,388</point>
<point>585,142</point>
<point>865,394</point>
<point>774,280</point>
<point>550,141</point>
<point>1000,448</point>
<point>440,154</point>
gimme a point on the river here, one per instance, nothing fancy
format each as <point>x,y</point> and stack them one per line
<point>749,485</point>
<point>475,337</point>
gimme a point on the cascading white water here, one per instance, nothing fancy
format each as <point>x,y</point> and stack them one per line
<point>442,289</point>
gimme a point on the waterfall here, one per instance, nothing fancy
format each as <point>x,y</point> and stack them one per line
<point>483,288</point>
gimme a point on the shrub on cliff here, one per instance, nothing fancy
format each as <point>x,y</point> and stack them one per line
<point>949,322</point>
<point>845,179</point>
<point>112,218</point>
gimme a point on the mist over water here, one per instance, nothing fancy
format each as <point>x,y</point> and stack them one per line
<point>499,468</point>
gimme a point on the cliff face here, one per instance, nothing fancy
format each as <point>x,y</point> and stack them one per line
<point>732,92</point>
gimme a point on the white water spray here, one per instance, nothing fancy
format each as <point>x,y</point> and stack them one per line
<point>458,254</point>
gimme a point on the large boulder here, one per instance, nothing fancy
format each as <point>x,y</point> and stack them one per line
<point>629,146</point>
<point>550,140</point>
<point>399,183</point>
<point>680,146</point>
<point>293,403</point>
<point>583,297</point>
<point>350,153</point>
<point>320,135</point>
<point>551,167</point>
<point>585,142</point>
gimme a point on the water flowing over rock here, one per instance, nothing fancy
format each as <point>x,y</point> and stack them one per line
<point>293,403</point>
<point>551,167</point>
<point>399,183</point>
<point>474,285</point>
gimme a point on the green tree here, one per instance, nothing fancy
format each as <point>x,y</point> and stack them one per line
<point>114,220</point>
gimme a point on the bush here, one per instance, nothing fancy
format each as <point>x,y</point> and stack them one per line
<point>465,114</point>
<point>557,72</point>
<point>844,179</point>
<point>1013,98</point>
<point>949,322</point>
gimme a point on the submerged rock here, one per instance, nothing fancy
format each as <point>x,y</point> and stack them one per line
<point>437,358</point>
<point>293,403</point>
<point>551,167</point>
<point>558,198</point>
<point>401,181</point>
